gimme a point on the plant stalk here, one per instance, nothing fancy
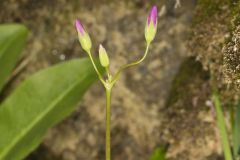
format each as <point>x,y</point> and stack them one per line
<point>108,123</point>
<point>222,128</point>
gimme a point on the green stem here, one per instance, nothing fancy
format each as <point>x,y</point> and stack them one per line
<point>95,67</point>
<point>108,122</point>
<point>131,64</point>
<point>222,128</point>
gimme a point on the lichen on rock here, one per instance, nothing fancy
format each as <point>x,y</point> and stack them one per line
<point>231,58</point>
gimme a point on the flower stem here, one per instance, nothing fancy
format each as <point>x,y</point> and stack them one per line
<point>108,122</point>
<point>95,67</point>
<point>222,128</point>
<point>131,64</point>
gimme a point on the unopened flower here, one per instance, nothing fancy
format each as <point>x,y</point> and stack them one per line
<point>83,36</point>
<point>151,25</point>
<point>104,60</point>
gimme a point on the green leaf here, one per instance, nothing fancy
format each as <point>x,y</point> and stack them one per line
<point>159,153</point>
<point>12,40</point>
<point>222,128</point>
<point>40,102</point>
<point>236,132</point>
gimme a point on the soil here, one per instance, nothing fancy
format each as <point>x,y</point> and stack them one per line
<point>166,100</point>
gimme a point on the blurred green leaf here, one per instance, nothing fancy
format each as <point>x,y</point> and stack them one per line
<point>40,102</point>
<point>222,128</point>
<point>159,153</point>
<point>236,132</point>
<point>12,40</point>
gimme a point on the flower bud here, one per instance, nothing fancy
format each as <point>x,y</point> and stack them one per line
<point>104,60</point>
<point>83,37</point>
<point>151,25</point>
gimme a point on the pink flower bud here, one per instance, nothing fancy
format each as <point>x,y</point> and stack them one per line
<point>151,25</point>
<point>83,37</point>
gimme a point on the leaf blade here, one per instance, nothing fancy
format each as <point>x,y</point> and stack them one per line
<point>12,40</point>
<point>222,128</point>
<point>47,111</point>
<point>159,153</point>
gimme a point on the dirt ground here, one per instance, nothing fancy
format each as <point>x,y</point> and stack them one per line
<point>165,100</point>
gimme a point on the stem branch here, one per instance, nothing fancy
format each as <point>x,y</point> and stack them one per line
<point>130,64</point>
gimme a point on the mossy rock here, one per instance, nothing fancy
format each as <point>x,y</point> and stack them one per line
<point>215,42</point>
<point>187,111</point>
<point>189,71</point>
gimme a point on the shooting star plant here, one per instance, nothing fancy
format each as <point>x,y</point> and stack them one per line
<point>108,83</point>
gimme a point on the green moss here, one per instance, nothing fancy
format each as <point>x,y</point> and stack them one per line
<point>207,8</point>
<point>210,7</point>
<point>235,12</point>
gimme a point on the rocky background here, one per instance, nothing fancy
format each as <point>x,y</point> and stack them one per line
<point>164,101</point>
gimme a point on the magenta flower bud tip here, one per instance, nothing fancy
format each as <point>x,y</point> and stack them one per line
<point>79,27</point>
<point>153,16</point>
<point>151,25</point>
<point>83,36</point>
